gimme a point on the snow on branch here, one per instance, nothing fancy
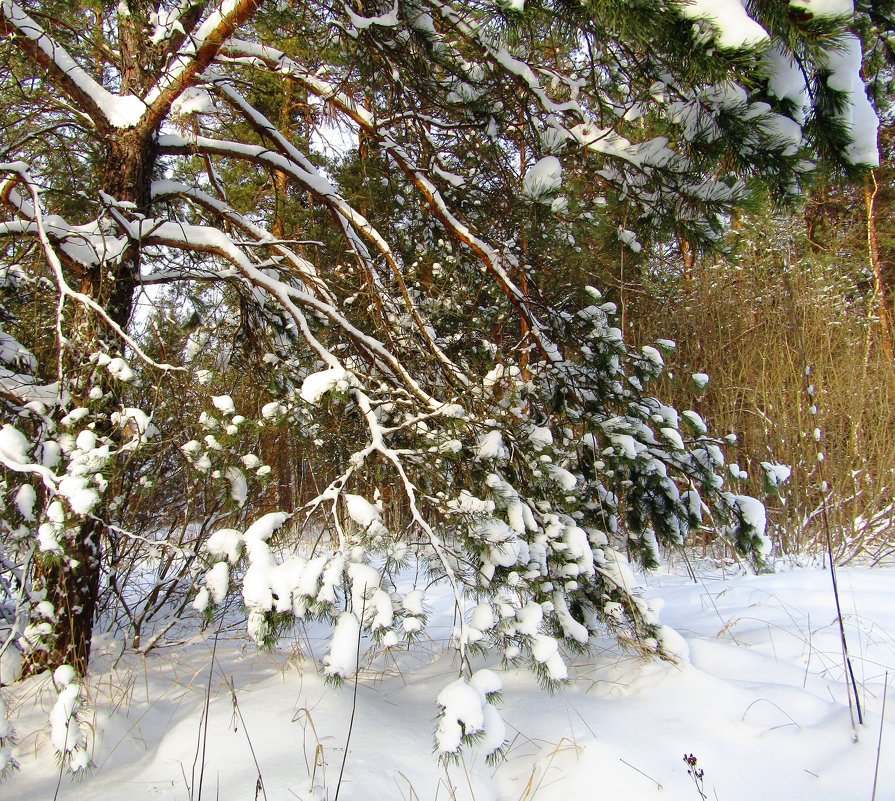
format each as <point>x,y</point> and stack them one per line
<point>174,26</point>
<point>197,52</point>
<point>301,267</point>
<point>497,264</point>
<point>348,216</point>
<point>80,247</point>
<point>209,239</point>
<point>106,109</point>
<point>53,260</point>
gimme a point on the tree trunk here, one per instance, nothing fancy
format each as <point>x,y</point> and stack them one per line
<point>281,180</point>
<point>71,581</point>
<point>689,259</point>
<point>881,286</point>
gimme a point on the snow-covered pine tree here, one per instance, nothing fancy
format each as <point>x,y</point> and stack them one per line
<point>460,401</point>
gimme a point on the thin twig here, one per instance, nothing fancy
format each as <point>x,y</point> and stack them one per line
<point>203,731</point>
<point>646,775</point>
<point>245,729</point>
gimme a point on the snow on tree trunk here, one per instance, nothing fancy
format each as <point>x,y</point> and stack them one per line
<point>70,580</point>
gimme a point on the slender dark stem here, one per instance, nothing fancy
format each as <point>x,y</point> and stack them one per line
<point>360,632</point>
<point>850,677</point>
<point>879,742</point>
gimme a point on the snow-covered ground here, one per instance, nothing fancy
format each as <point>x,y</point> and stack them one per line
<point>761,703</point>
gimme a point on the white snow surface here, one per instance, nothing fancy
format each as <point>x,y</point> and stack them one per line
<point>462,713</point>
<point>778,474</point>
<point>754,515</point>
<point>341,660</point>
<point>217,580</point>
<point>239,488</point>
<point>224,403</point>
<point>543,178</point>
<point>192,101</point>
<point>13,446</point>
<point>845,76</point>
<point>540,437</point>
<point>758,697</point>
<point>264,527</point>
<point>736,28</point>
<point>825,8</point>
<point>786,80</point>
<point>490,446</point>
<point>360,510</point>
<point>66,733</point>
<point>26,497</point>
<point>225,542</point>
<point>316,385</point>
